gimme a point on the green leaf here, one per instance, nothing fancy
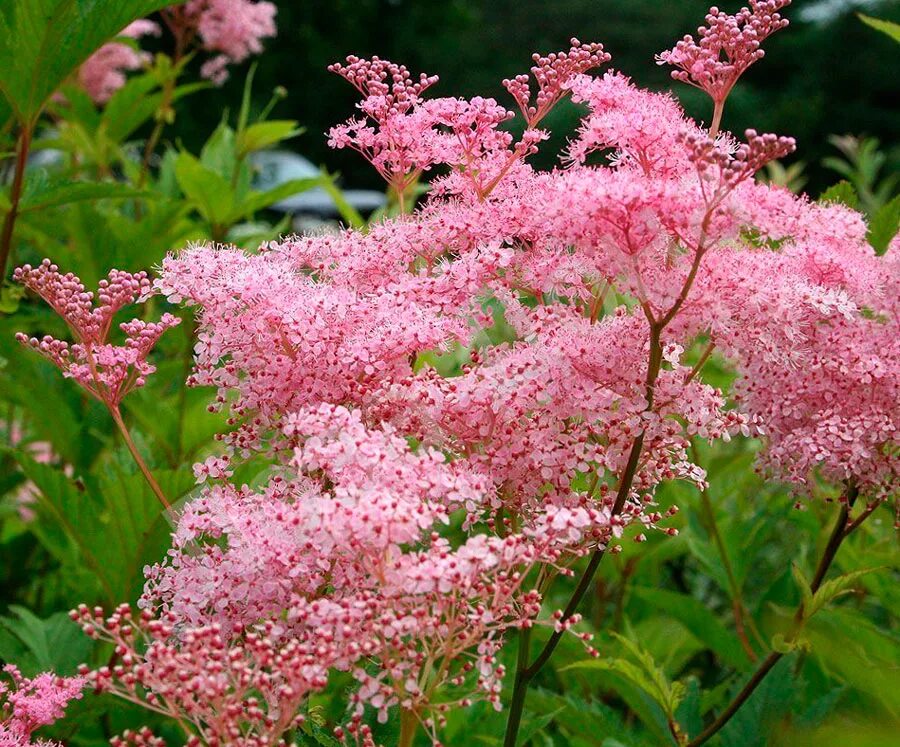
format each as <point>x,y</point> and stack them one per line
<point>209,191</point>
<point>55,644</point>
<point>42,42</point>
<point>645,674</point>
<point>885,27</point>
<point>263,134</point>
<point>842,192</point>
<point>831,590</point>
<point>699,620</point>
<point>134,104</point>
<point>349,213</point>
<point>803,585</point>
<point>258,200</point>
<point>55,192</point>
<point>884,225</point>
<point>116,505</point>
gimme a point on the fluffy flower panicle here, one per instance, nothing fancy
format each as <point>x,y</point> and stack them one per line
<point>103,73</point>
<point>29,703</point>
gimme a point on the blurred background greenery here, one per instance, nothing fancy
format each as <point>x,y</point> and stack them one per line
<point>829,75</point>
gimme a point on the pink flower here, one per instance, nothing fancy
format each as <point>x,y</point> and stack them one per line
<point>31,703</point>
<point>103,73</point>
<point>729,44</point>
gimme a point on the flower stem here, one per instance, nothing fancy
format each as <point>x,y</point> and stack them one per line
<point>524,674</point>
<point>409,725</point>
<point>718,109</point>
<point>15,196</point>
<point>142,465</point>
<point>838,534</point>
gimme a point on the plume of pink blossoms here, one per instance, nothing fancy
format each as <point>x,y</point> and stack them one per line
<point>106,371</point>
<point>404,135</point>
<point>103,73</point>
<point>230,30</point>
<point>28,704</point>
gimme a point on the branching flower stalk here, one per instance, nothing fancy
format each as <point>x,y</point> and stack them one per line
<point>842,529</point>
<point>106,371</point>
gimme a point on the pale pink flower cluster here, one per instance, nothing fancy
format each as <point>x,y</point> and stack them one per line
<point>728,45</point>
<point>103,73</point>
<point>230,30</point>
<point>28,704</point>
<point>105,370</point>
<point>403,135</point>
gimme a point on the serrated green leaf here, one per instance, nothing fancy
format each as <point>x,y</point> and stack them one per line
<point>645,674</point>
<point>831,590</point>
<point>42,42</point>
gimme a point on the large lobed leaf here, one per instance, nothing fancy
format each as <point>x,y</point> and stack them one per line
<point>42,42</point>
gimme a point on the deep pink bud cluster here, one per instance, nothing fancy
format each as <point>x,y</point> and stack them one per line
<point>105,370</point>
<point>553,74</point>
<point>27,704</point>
<point>728,45</point>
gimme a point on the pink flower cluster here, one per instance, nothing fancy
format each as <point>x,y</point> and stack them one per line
<point>229,30</point>
<point>28,704</point>
<point>103,73</point>
<point>105,370</point>
<point>403,135</point>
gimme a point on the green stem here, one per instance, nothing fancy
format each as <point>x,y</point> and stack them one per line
<point>142,465</point>
<point>15,195</point>
<point>409,725</point>
<point>838,535</point>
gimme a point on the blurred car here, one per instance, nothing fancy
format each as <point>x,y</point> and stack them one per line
<point>275,167</point>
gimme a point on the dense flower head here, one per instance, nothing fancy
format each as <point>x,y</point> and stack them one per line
<point>106,370</point>
<point>231,30</point>
<point>103,73</point>
<point>26,704</point>
<point>727,46</point>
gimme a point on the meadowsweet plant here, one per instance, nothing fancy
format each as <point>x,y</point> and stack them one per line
<point>465,403</point>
